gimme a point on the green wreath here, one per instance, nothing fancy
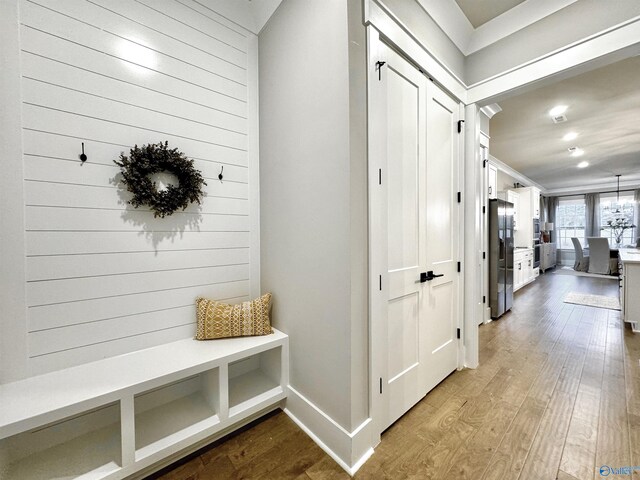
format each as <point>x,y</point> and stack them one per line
<point>155,158</point>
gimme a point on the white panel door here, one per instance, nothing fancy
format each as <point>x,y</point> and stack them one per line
<point>414,334</point>
<point>406,229</point>
<point>442,227</point>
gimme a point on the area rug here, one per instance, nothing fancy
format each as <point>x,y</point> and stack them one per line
<point>599,301</point>
<point>572,272</point>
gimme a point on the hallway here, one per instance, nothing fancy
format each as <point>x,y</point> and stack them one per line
<point>557,395</point>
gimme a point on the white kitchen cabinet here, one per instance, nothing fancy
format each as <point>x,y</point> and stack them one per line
<point>528,209</point>
<point>629,267</point>
<point>523,271</point>
<point>535,202</point>
<point>492,188</point>
<point>514,197</point>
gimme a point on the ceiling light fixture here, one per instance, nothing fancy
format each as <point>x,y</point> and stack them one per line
<point>583,164</point>
<point>575,151</point>
<point>558,110</point>
<point>570,136</point>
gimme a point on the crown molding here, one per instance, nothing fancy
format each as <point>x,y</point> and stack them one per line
<point>523,179</point>
<point>511,21</point>
<point>597,188</point>
<point>457,27</point>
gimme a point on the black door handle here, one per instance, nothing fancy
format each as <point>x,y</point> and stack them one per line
<point>428,276</point>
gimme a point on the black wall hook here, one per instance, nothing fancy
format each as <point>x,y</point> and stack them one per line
<point>83,157</point>
<point>220,176</point>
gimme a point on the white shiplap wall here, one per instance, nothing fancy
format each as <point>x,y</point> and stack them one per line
<point>104,278</point>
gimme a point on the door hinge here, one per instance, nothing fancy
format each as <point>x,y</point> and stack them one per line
<point>459,197</point>
<point>458,332</point>
<point>379,176</point>
<point>380,385</point>
<point>380,282</point>
<point>459,267</point>
<point>484,255</point>
<point>484,209</point>
<point>484,299</point>
<point>484,163</point>
<point>460,122</point>
<point>379,65</point>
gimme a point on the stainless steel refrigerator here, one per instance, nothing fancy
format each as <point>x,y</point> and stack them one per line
<point>500,257</point>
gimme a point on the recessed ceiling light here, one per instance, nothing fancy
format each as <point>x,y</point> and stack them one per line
<point>575,151</point>
<point>570,136</point>
<point>583,164</point>
<point>557,110</point>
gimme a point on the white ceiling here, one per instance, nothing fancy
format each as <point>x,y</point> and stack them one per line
<point>604,109</point>
<point>481,12</point>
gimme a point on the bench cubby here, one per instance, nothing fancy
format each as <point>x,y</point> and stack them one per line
<point>86,445</point>
<point>254,379</point>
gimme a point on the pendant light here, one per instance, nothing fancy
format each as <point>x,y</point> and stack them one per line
<point>617,211</point>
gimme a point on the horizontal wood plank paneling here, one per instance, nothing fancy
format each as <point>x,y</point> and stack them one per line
<point>45,95</point>
<point>209,24</point>
<point>52,341</point>
<point>58,267</point>
<point>83,80</point>
<point>79,219</point>
<point>118,19</point>
<point>64,52</point>
<point>93,128</point>
<point>89,196</point>
<point>138,55</point>
<point>170,21</point>
<point>108,348</point>
<point>105,309</point>
<point>104,278</point>
<point>47,292</point>
<point>99,170</point>
<point>71,243</point>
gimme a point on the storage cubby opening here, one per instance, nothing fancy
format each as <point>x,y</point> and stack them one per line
<point>253,379</point>
<point>84,445</point>
<point>171,413</point>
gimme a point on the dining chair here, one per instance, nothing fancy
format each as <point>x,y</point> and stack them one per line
<point>582,262</point>
<point>600,260</point>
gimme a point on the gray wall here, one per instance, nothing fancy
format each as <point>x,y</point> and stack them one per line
<point>313,199</point>
<point>568,25</point>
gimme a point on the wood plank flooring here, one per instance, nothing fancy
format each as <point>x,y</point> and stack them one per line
<point>556,396</point>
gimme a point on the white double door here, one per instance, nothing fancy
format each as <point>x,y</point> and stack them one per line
<point>420,220</point>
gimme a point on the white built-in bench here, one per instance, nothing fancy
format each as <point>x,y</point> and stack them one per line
<point>132,413</point>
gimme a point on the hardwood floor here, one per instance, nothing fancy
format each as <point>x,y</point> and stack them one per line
<point>556,396</point>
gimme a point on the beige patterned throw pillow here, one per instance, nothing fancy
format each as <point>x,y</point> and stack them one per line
<point>221,320</point>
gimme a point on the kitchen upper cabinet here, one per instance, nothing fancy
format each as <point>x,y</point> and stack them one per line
<point>528,209</point>
<point>492,187</point>
<point>514,197</point>
<point>535,202</point>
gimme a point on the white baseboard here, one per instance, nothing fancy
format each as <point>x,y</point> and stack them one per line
<point>350,450</point>
<point>487,315</point>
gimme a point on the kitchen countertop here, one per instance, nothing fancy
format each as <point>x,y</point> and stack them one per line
<point>629,255</point>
